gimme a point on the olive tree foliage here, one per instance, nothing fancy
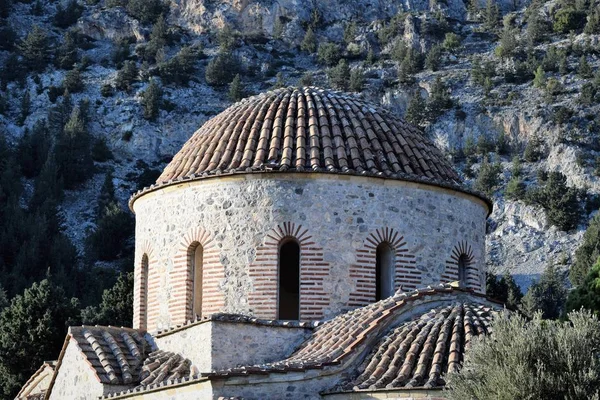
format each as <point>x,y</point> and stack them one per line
<point>532,359</point>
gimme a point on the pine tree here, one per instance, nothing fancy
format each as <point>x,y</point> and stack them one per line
<point>73,81</point>
<point>309,42</point>
<point>66,55</point>
<point>357,80</point>
<point>547,295</point>
<point>587,253</point>
<point>107,194</point>
<point>25,107</point>
<point>151,99</point>
<point>236,90</point>
<point>540,78</point>
<point>491,15</point>
<point>416,112</point>
<point>33,149</point>
<point>35,49</point>
<point>221,69</point>
<point>145,10</point>
<point>584,69</point>
<point>73,153</point>
<point>5,6</point>
<point>339,76</point>
<point>68,15</point>
<point>116,307</point>
<point>35,323</point>
<point>440,99</point>
<point>127,75</point>
<point>434,58</point>
<point>487,178</point>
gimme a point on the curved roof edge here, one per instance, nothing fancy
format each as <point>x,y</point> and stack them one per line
<point>397,177</point>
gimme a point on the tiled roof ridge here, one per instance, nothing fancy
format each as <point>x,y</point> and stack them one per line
<point>310,130</point>
<point>335,339</point>
<point>238,318</point>
<point>114,354</point>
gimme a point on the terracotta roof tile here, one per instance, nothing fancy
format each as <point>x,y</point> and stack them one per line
<point>161,366</point>
<point>116,354</point>
<point>308,129</point>
<point>338,338</point>
<point>419,352</point>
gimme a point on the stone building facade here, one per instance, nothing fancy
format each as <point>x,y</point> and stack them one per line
<point>290,241</point>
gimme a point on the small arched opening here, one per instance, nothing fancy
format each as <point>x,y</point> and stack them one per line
<point>463,263</point>
<point>196,255</point>
<point>144,292</point>
<point>384,271</point>
<point>289,281</point>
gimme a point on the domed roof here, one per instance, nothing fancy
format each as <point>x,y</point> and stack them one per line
<point>309,129</point>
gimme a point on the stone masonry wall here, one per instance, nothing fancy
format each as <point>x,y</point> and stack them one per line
<point>75,379</point>
<point>338,220</point>
<point>214,345</point>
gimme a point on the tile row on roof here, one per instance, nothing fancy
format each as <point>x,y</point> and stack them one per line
<point>418,353</point>
<point>309,129</point>
<point>115,354</point>
<point>339,337</point>
<point>163,366</point>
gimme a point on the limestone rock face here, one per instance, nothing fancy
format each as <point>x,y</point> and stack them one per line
<point>111,23</point>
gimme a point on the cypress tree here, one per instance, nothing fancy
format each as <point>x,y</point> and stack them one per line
<point>151,99</point>
<point>236,90</point>
<point>73,151</point>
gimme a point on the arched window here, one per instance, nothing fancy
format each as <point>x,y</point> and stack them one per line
<point>196,254</point>
<point>384,271</point>
<point>289,281</point>
<point>144,292</point>
<point>463,262</point>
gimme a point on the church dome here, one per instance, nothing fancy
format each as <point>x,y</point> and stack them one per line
<point>309,130</point>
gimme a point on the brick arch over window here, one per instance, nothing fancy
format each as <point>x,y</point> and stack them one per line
<point>182,281</point>
<point>363,273</point>
<point>314,272</point>
<point>462,253</point>
<point>146,284</point>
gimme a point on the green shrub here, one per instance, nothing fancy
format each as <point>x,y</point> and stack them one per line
<point>532,359</point>
<point>146,10</point>
<point>127,75</point>
<point>68,15</point>
<point>180,69</point>
<point>567,20</point>
<point>100,151</point>
<point>107,90</point>
<point>587,95</point>
<point>439,99</point>
<point>306,79</point>
<point>328,53</point>
<point>452,41</point>
<point>226,38</point>
<point>221,69</point>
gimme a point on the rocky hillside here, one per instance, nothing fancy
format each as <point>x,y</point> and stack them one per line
<point>498,80</point>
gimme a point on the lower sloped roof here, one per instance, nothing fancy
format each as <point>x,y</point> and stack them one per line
<point>419,353</point>
<point>340,337</point>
